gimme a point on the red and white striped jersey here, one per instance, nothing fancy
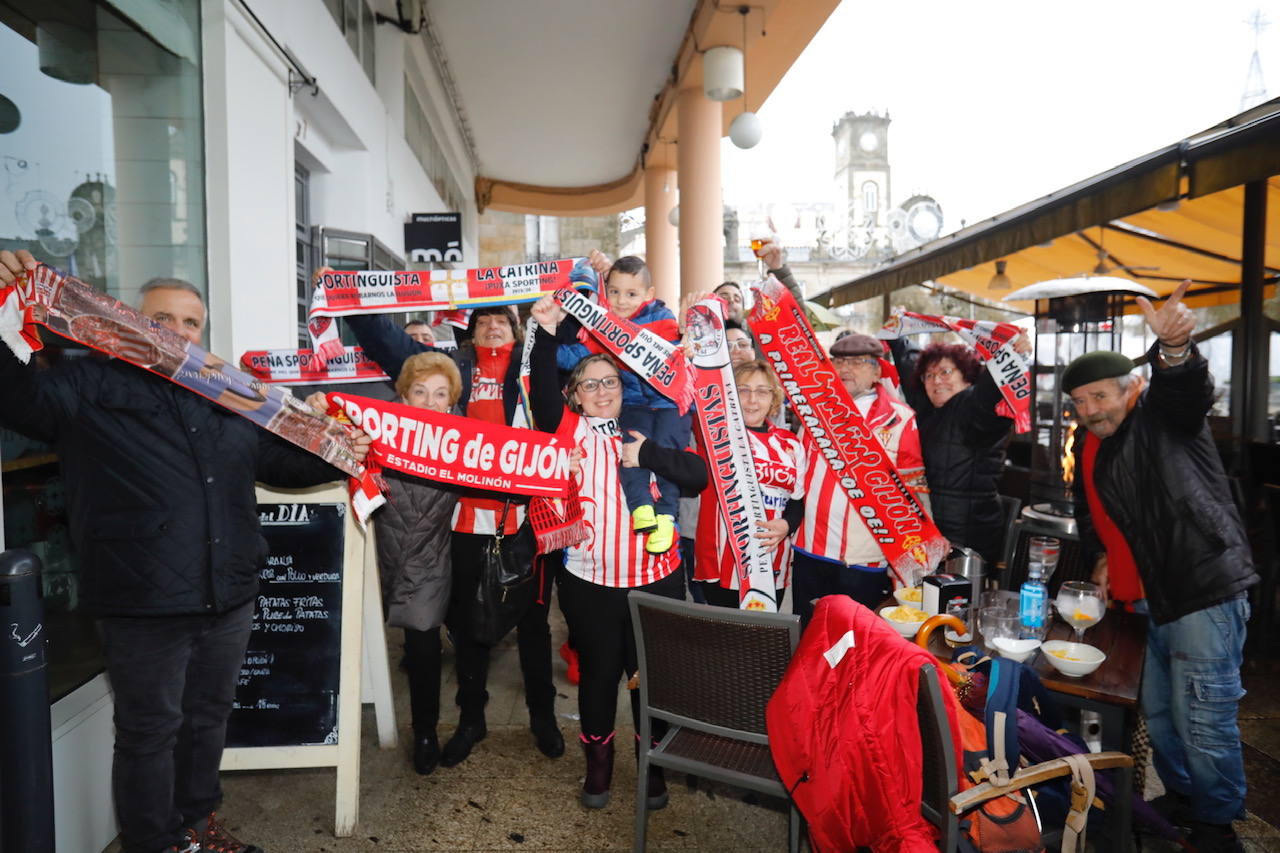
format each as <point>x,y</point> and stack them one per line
<point>780,466</point>
<point>831,530</point>
<point>611,555</point>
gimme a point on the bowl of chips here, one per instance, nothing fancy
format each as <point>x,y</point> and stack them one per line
<point>905,620</point>
<point>910,596</point>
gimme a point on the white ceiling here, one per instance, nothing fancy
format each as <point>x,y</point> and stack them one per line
<point>575,122</point>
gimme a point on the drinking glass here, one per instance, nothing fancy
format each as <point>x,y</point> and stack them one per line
<point>758,238</point>
<point>1045,550</point>
<point>1081,606</point>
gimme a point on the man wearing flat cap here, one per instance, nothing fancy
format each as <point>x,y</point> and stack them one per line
<point>834,553</point>
<point>1154,508</point>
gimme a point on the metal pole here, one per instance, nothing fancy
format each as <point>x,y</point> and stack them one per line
<point>26,750</point>
<point>1250,344</point>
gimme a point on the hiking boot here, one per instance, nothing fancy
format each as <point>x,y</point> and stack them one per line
<point>216,839</point>
<point>190,844</point>
<point>599,755</point>
<point>656,785</point>
<point>570,656</point>
<point>643,520</point>
<point>459,746</point>
<point>662,537</point>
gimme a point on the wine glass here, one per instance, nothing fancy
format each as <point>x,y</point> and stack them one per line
<point>1081,606</point>
<point>1044,550</point>
<point>760,236</point>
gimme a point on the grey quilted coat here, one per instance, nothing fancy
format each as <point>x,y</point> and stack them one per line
<point>413,551</point>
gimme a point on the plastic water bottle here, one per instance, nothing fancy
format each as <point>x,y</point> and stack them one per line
<point>1032,598</point>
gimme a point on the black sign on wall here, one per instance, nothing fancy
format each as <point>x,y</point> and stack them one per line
<point>433,237</point>
<point>288,689</point>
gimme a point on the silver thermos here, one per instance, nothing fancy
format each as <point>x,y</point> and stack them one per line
<point>966,563</point>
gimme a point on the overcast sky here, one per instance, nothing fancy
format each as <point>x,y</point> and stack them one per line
<point>997,102</point>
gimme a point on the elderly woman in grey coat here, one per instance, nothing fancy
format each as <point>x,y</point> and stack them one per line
<point>413,556</point>
<point>414,528</point>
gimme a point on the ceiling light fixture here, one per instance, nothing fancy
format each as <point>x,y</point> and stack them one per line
<point>1000,281</point>
<point>745,130</point>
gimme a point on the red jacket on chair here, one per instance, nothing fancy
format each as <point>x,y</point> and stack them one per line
<point>845,735</point>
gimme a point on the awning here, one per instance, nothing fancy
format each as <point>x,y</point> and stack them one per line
<point>1175,213</point>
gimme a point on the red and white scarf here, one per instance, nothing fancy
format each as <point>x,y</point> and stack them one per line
<point>994,344</point>
<point>730,463</point>
<point>304,367</point>
<point>660,363</point>
<point>75,310</point>
<point>905,533</point>
<point>339,294</point>
<point>459,451</point>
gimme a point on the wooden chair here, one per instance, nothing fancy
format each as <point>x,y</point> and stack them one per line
<point>708,672</point>
<point>941,802</point>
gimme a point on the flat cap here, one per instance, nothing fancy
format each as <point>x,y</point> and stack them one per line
<point>855,343</point>
<point>1092,366</point>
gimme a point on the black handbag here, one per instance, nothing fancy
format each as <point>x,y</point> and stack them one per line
<point>507,583</point>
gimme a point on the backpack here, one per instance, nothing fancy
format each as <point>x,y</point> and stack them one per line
<point>1005,824</point>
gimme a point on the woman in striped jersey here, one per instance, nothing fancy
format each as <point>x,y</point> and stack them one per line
<point>780,468</point>
<point>596,575</point>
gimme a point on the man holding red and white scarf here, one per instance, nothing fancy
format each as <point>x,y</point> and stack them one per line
<point>834,552</point>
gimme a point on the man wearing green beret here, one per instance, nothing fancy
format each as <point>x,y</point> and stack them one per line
<point>1154,507</point>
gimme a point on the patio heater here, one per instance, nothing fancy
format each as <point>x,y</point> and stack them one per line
<point>1073,316</point>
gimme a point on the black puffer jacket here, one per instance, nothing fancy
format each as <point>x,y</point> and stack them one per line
<point>160,483</point>
<point>963,444</point>
<point>964,447</point>
<point>1161,481</point>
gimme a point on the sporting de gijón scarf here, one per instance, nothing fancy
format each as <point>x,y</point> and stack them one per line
<point>459,451</point>
<point>660,363</point>
<point>993,342</point>
<point>74,310</point>
<point>338,294</point>
<point>727,447</point>
<point>906,534</point>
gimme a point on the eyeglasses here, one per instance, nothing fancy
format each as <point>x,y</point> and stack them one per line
<point>857,360</point>
<point>758,391</point>
<point>591,386</point>
<point>741,343</point>
<point>940,373</point>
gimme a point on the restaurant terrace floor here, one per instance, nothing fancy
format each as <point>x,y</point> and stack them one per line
<point>507,796</point>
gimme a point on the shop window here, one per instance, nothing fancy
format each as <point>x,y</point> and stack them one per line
<point>430,153</point>
<point>357,23</point>
<point>116,201</point>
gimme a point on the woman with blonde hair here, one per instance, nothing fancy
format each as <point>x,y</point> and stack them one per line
<point>414,558</point>
<point>779,458</point>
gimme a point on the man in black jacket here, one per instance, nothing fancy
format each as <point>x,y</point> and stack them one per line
<point>163,516</point>
<point>1154,507</point>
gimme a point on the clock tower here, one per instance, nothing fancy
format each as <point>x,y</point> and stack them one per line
<point>862,169</point>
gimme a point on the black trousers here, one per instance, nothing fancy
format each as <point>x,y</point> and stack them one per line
<point>601,624</point>
<point>422,654</point>
<point>533,637</point>
<point>174,680</point>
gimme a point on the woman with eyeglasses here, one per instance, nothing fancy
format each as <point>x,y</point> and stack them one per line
<point>596,574</point>
<point>779,458</point>
<point>963,441</point>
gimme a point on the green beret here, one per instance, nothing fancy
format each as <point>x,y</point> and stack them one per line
<point>1093,366</point>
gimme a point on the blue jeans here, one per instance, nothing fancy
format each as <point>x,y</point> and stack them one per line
<point>668,428</point>
<point>1190,695</point>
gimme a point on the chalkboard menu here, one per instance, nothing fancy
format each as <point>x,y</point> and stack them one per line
<point>288,689</point>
